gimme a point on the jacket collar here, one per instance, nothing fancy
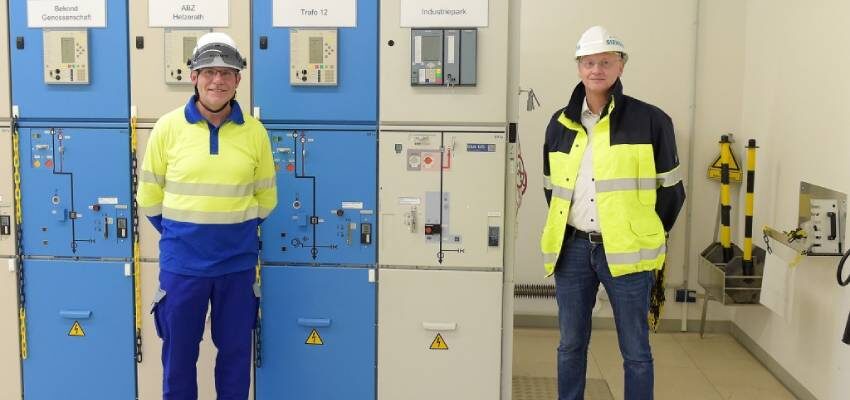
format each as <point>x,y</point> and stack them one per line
<point>573,109</point>
<point>193,115</point>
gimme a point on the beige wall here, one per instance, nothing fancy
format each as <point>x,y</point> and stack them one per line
<point>795,97</point>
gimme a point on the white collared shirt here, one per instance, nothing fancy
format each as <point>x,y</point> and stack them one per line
<point>583,212</point>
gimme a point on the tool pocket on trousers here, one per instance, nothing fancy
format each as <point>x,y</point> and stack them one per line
<point>156,310</point>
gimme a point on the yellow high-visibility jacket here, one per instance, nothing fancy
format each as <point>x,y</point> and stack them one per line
<point>639,190</point>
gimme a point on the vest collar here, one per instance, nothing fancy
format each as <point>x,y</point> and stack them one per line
<point>193,115</point>
<point>574,108</point>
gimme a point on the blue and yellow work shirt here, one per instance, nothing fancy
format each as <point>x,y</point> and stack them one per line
<point>206,189</point>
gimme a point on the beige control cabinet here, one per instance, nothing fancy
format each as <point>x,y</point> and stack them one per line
<point>10,359</point>
<point>485,102</point>
<point>439,335</point>
<point>150,369</point>
<point>5,95</point>
<point>441,196</point>
<point>158,73</point>
<point>7,195</point>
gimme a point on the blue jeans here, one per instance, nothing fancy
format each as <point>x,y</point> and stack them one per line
<point>580,269</point>
<point>180,318</point>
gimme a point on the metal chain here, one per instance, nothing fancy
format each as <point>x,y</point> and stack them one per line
<point>767,243</point>
<point>137,270</point>
<point>258,337</point>
<point>19,239</point>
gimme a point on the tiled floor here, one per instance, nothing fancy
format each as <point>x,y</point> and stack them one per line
<point>686,367</point>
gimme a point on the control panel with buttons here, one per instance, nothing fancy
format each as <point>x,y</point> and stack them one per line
<point>179,45</point>
<point>76,192</point>
<point>66,57</point>
<point>326,198</point>
<point>442,198</point>
<point>313,57</point>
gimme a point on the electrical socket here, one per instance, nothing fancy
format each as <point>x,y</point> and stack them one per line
<point>683,295</point>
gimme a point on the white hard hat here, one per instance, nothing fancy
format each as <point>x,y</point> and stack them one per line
<point>216,49</point>
<point>595,40</point>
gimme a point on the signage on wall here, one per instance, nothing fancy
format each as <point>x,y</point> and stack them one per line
<point>444,13</point>
<point>189,13</point>
<point>66,13</point>
<point>314,13</point>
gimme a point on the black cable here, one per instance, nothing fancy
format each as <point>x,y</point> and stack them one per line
<point>840,273</point>
<point>842,282</point>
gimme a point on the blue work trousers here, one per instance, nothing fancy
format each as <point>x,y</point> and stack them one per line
<point>180,314</point>
<point>580,268</point>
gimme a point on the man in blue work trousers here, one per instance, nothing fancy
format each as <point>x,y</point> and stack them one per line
<point>207,182</point>
<point>614,188</point>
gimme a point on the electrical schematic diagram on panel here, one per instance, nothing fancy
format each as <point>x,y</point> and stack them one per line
<point>442,198</point>
<point>326,198</point>
<point>76,188</point>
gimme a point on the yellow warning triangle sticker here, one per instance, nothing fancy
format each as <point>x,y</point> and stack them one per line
<point>715,169</point>
<point>439,343</point>
<point>76,330</point>
<point>314,339</point>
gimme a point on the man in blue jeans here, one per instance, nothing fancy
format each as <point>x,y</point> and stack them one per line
<point>612,181</point>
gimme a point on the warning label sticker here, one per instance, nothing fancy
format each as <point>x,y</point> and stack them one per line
<point>716,168</point>
<point>314,339</point>
<point>439,343</point>
<point>76,330</point>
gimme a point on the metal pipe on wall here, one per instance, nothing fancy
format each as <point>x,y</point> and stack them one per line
<point>686,269</point>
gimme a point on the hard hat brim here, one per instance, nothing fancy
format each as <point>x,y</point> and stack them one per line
<point>216,62</point>
<point>217,55</point>
<point>597,49</point>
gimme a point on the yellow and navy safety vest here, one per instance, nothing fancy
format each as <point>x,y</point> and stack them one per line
<point>206,189</point>
<point>639,191</point>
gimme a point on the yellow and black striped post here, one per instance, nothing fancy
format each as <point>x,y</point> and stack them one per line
<point>725,208</point>
<point>748,219</point>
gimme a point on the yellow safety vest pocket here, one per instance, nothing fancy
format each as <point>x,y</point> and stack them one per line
<point>646,226</point>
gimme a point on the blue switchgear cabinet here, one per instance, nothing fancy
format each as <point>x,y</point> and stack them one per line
<point>317,336</point>
<point>79,331</point>
<point>353,99</point>
<point>326,183</point>
<point>75,185</point>
<point>106,96</point>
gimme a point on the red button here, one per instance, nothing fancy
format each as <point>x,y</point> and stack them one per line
<point>290,167</point>
<point>428,160</point>
<point>48,163</point>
